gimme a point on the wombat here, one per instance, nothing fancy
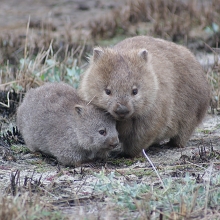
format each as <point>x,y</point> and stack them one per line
<point>155,89</point>
<point>55,121</point>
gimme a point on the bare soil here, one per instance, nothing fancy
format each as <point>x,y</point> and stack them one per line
<point>72,189</point>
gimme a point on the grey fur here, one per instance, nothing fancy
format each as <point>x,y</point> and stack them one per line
<point>54,120</point>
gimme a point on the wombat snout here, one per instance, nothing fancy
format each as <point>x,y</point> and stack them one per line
<point>113,142</point>
<point>121,110</point>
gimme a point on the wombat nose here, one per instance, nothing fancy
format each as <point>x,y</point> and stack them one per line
<point>114,145</point>
<point>113,142</point>
<point>121,110</point>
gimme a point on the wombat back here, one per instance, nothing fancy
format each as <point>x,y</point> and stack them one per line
<point>54,120</point>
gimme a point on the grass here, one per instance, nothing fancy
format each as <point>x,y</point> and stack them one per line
<point>132,193</point>
<point>44,67</point>
<point>21,200</point>
<point>172,20</point>
<point>35,64</point>
<point>181,198</point>
<point>27,207</point>
<point>184,197</point>
<point>17,149</point>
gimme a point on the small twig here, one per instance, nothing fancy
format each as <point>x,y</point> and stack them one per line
<point>30,189</point>
<point>32,177</point>
<point>127,178</point>
<point>14,182</point>
<point>90,100</point>
<point>81,52</point>
<point>8,105</point>
<point>9,83</point>
<point>18,178</point>
<point>26,40</point>
<point>154,168</point>
<point>193,204</point>
<point>57,198</point>
<point>80,186</point>
<point>211,49</point>
<point>209,172</point>
<point>163,214</point>
<point>47,68</point>
<point>196,165</point>
<point>39,180</point>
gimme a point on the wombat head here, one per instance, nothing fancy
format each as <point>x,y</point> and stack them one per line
<point>96,129</point>
<point>120,82</point>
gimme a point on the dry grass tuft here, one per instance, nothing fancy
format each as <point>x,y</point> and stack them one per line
<point>22,200</point>
<point>47,65</point>
<point>172,20</point>
<point>213,75</point>
<point>26,207</point>
<point>37,38</point>
<point>27,60</point>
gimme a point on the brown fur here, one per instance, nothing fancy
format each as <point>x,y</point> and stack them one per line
<point>54,120</point>
<point>172,91</point>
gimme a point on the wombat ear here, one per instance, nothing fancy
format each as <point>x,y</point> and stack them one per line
<point>79,109</point>
<point>143,53</point>
<point>97,52</point>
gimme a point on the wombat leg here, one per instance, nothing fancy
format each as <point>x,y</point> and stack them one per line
<point>156,145</point>
<point>119,153</point>
<point>175,143</point>
<point>181,139</point>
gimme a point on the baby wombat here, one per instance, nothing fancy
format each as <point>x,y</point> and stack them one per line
<point>54,120</point>
<point>155,89</point>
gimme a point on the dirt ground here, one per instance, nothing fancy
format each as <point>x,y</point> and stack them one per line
<point>62,184</point>
<point>14,14</point>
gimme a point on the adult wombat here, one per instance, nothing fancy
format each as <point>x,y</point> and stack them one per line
<point>54,120</point>
<point>155,90</point>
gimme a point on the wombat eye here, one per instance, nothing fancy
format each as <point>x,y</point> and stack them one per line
<point>102,132</point>
<point>135,91</point>
<point>108,91</point>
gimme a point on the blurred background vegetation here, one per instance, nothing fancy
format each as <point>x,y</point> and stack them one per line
<point>51,40</point>
<point>40,50</point>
